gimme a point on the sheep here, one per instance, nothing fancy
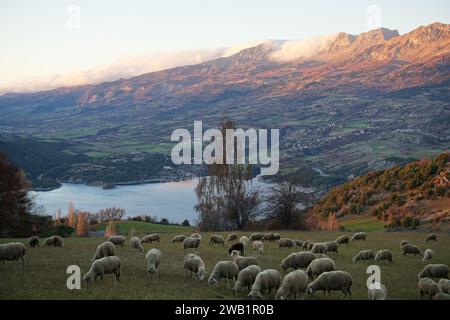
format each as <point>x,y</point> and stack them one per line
<point>434,271</point>
<point>298,243</point>
<point>332,246</point>
<point>117,240</point>
<point>319,266</point>
<point>384,254</point>
<point>306,243</point>
<point>237,246</point>
<point>268,236</point>
<point>310,245</point>
<point>135,244</point>
<point>319,247</point>
<point>195,264</point>
<point>276,236</point>
<point>150,238</point>
<point>297,260</point>
<point>265,282</point>
<point>258,246</point>
<point>377,292</point>
<point>104,249</point>
<point>429,287</point>
<point>216,239</point>
<point>196,235</point>
<point>100,267</point>
<point>244,240</point>
<point>403,242</point>
<point>286,243</point>
<point>246,278</point>
<point>428,255</point>
<point>444,284</point>
<point>411,249</point>
<point>232,237</point>
<point>256,236</point>
<point>179,238</point>
<point>332,280</point>
<point>359,236</point>
<point>189,243</point>
<point>441,296</point>
<point>13,251</point>
<point>320,255</point>
<point>54,241</point>
<point>293,283</point>
<point>224,269</point>
<point>430,237</point>
<point>33,242</point>
<point>364,255</point>
<point>153,260</point>
<point>243,262</point>
<point>344,239</point>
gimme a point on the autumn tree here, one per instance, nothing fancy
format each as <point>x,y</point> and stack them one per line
<point>71,216</point>
<point>82,224</point>
<point>110,214</point>
<point>110,229</point>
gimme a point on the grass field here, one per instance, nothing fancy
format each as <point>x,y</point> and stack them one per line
<point>133,227</point>
<point>44,276</point>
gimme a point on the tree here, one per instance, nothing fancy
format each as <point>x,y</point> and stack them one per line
<point>82,224</point>
<point>185,223</point>
<point>110,229</point>
<point>110,214</point>
<point>15,203</point>
<point>71,216</point>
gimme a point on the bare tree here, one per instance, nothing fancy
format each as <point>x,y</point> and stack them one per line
<point>110,214</point>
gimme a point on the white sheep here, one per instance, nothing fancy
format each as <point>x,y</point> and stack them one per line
<point>258,246</point>
<point>332,246</point>
<point>269,236</point>
<point>224,269</point>
<point>195,265</point>
<point>243,262</point>
<point>151,238</point>
<point>117,240</point>
<point>306,244</point>
<point>13,251</point>
<point>434,271</point>
<point>431,237</point>
<point>232,237</point>
<point>276,236</point>
<point>244,240</point>
<point>428,255</point>
<point>196,235</point>
<point>411,249</point>
<point>297,260</point>
<point>191,243</point>
<point>428,287</point>
<point>100,267</point>
<point>286,243</point>
<point>364,255</point>
<point>298,243</point>
<point>332,281</point>
<point>441,296</point>
<point>54,241</point>
<point>377,291</point>
<point>444,284</point>
<point>135,244</point>
<point>153,260</point>
<point>359,236</point>
<point>179,238</point>
<point>319,247</point>
<point>344,239</point>
<point>384,254</point>
<point>319,266</point>
<point>246,278</point>
<point>265,282</point>
<point>403,242</point>
<point>256,236</point>
<point>33,242</point>
<point>293,283</point>
<point>104,249</point>
<point>215,239</point>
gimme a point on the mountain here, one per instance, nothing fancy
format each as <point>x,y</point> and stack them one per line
<point>344,103</point>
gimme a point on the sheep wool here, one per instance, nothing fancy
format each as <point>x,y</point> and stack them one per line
<point>117,240</point>
<point>33,242</point>
<point>384,255</point>
<point>428,287</point>
<point>100,267</point>
<point>332,281</point>
<point>104,249</point>
<point>293,284</point>
<point>377,292</point>
<point>319,266</point>
<point>265,282</point>
<point>13,251</point>
<point>224,269</point>
<point>215,239</point>
<point>364,255</point>
<point>232,237</point>
<point>135,244</point>
<point>243,262</point>
<point>179,238</point>
<point>195,265</point>
<point>191,243</point>
<point>434,271</point>
<point>246,278</point>
<point>153,260</point>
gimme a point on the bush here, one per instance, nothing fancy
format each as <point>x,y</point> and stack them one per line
<point>186,223</point>
<point>61,230</point>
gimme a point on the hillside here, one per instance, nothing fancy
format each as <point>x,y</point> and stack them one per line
<point>412,196</point>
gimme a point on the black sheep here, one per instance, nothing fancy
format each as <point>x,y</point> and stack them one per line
<point>238,247</point>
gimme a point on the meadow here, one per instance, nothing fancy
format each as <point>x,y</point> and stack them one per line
<point>44,276</point>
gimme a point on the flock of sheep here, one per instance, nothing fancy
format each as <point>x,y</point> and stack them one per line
<point>312,271</point>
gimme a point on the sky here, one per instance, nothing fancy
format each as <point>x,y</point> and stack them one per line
<point>45,43</point>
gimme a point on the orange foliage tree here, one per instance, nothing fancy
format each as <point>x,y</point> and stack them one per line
<point>82,224</point>
<point>331,223</point>
<point>71,216</point>
<point>110,229</point>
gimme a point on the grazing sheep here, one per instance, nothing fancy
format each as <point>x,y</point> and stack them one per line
<point>297,260</point>
<point>196,235</point>
<point>342,239</point>
<point>428,255</point>
<point>306,243</point>
<point>411,249</point>
<point>150,238</point>
<point>244,240</point>
<point>332,280</point>
<point>232,237</point>
<point>434,271</point>
<point>441,296</point>
<point>428,287</point>
<point>13,251</point>
<point>224,269</point>
<point>153,260</point>
<point>444,284</point>
<point>258,246</point>
<point>117,240</point>
<point>246,278</point>
<point>195,265</point>
<point>377,292</point>
<point>364,255</point>
<point>243,262</point>
<point>256,236</point>
<point>104,249</point>
<point>276,236</point>
<point>237,246</point>
<point>191,243</point>
<point>319,266</point>
<point>179,238</point>
<point>298,243</point>
<point>332,246</point>
<point>359,236</point>
<point>403,242</point>
<point>54,241</point>
<point>319,247</point>
<point>286,243</point>
<point>431,237</point>
<point>293,283</point>
<point>135,244</point>
<point>268,236</point>
<point>310,245</point>
<point>33,242</point>
<point>215,239</point>
<point>100,267</point>
<point>320,255</point>
<point>384,254</point>
<point>265,282</point>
